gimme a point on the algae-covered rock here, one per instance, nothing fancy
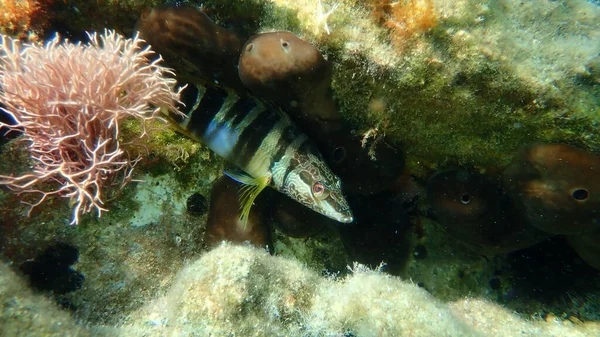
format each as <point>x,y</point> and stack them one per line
<point>245,291</point>
<point>236,290</point>
<point>23,313</point>
<point>450,82</point>
<point>456,82</point>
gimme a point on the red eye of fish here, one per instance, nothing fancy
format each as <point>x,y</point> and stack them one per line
<point>318,189</point>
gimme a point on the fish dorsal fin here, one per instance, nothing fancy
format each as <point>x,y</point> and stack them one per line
<point>251,188</point>
<point>178,127</point>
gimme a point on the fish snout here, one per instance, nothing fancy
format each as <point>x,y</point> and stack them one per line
<point>345,216</point>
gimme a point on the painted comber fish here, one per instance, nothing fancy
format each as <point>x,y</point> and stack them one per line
<point>262,141</point>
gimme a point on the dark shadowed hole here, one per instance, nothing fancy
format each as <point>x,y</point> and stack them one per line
<point>465,199</point>
<point>339,154</point>
<point>51,269</point>
<point>580,194</point>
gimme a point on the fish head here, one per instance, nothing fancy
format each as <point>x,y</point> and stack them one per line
<point>311,183</point>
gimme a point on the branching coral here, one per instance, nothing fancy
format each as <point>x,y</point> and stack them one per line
<point>68,100</point>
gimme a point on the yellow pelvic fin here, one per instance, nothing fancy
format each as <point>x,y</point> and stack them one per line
<point>250,189</point>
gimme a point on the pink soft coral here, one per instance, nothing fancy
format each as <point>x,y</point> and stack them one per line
<point>68,101</point>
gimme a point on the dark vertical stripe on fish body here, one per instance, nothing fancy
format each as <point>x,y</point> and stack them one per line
<point>288,161</point>
<point>252,136</point>
<point>237,106</point>
<point>243,131</point>
<point>210,103</point>
<point>240,109</point>
<point>287,137</point>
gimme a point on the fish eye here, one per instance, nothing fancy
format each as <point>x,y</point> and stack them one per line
<point>580,194</point>
<point>465,199</point>
<point>319,191</point>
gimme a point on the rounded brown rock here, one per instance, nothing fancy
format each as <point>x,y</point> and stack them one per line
<point>281,64</point>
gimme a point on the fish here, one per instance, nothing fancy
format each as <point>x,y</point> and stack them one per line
<point>265,145</point>
<point>282,68</point>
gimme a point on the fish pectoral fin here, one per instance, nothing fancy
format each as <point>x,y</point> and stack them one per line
<point>251,188</point>
<point>241,177</point>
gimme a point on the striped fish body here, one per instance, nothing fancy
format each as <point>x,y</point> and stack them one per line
<point>263,142</point>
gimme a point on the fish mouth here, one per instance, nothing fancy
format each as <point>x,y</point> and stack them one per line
<point>345,217</point>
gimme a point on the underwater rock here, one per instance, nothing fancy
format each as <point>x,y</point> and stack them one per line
<point>557,188</point>
<point>224,224</point>
<point>592,70</point>
<point>380,232</point>
<point>281,67</point>
<point>587,246</point>
<point>197,204</point>
<point>25,312</point>
<point>242,291</point>
<point>52,271</point>
<point>551,272</point>
<point>505,58</point>
<point>191,43</point>
<point>363,170</point>
<point>296,220</point>
<point>475,211</point>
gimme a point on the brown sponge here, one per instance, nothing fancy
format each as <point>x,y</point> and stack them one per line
<point>223,223</point>
<point>192,44</point>
<point>289,71</point>
<point>556,186</point>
